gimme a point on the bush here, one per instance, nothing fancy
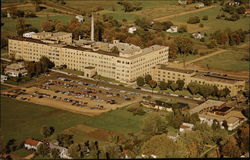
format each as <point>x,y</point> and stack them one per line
<point>201,25</point>
<point>218,16</point>
<point>193,20</point>
<point>182,29</point>
<point>202,39</point>
<point>205,18</point>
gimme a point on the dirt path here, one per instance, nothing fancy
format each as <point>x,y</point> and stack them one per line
<point>11,85</point>
<point>206,56</point>
<point>183,13</point>
<point>18,5</point>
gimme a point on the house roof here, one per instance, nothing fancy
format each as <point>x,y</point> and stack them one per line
<point>31,142</point>
<point>207,104</point>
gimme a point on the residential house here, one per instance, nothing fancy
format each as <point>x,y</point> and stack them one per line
<point>186,127</point>
<point>63,152</point>
<point>198,35</point>
<point>31,144</point>
<point>199,5</point>
<point>3,78</point>
<point>132,29</point>
<point>182,2</point>
<point>79,18</point>
<point>172,29</point>
<point>233,3</point>
<point>15,69</point>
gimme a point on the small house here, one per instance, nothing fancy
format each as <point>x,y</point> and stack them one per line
<point>198,35</point>
<point>31,144</point>
<point>182,2</point>
<point>79,18</point>
<point>15,69</point>
<point>3,78</point>
<point>186,127</point>
<point>172,29</point>
<point>131,29</point>
<point>199,5</point>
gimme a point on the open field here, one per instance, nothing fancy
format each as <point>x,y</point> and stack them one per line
<point>9,27</point>
<point>212,22</point>
<point>228,61</point>
<point>28,118</point>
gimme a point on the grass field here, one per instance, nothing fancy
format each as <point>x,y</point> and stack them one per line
<point>229,61</point>
<point>9,27</point>
<point>212,22</point>
<point>21,120</point>
<point>22,152</point>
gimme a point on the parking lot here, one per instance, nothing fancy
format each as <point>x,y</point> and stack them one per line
<point>73,95</point>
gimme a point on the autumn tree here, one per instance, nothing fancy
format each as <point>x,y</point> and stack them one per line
<point>231,148</point>
<point>184,45</point>
<point>243,137</point>
<point>48,26</point>
<point>143,22</point>
<point>154,124</point>
<point>173,49</point>
<point>157,146</point>
<point>21,26</point>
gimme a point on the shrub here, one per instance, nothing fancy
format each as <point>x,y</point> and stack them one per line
<point>193,20</point>
<point>202,39</point>
<point>182,28</point>
<point>205,18</point>
<point>201,25</point>
<point>218,16</point>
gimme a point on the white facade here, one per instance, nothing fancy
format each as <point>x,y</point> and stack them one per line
<point>3,78</point>
<point>172,29</point>
<point>186,127</point>
<point>79,18</point>
<point>29,146</point>
<point>200,5</point>
<point>198,35</point>
<point>131,29</point>
<point>28,34</point>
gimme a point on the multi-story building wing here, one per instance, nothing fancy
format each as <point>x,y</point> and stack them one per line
<point>165,73</point>
<point>125,66</point>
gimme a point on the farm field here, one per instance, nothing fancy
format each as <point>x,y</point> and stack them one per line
<point>28,118</point>
<point>212,23</point>
<point>228,61</point>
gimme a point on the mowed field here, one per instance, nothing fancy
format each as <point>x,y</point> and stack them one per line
<point>20,120</point>
<point>228,61</point>
<point>213,24</point>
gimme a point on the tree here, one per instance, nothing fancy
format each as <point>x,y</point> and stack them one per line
<point>21,26</point>
<point>193,87</point>
<point>154,124</point>
<point>115,50</point>
<point>167,25</point>
<point>206,91</point>
<point>162,147</point>
<point>64,139</point>
<point>182,29</point>
<point>184,44</point>
<point>180,84</point>
<point>46,63</point>
<point>148,78</point>
<point>243,137</point>
<point>46,131</point>
<point>241,10</point>
<point>205,18</point>
<point>143,22</point>
<point>55,153</point>
<point>152,84</point>
<point>74,151</point>
<point>163,85</point>
<point>43,149</point>
<point>193,20</point>
<point>174,86</point>
<point>215,124</point>
<point>36,4</point>
<point>140,81</point>
<point>231,148</point>
<point>173,49</point>
<point>48,26</point>
<point>211,44</point>
<point>225,125</point>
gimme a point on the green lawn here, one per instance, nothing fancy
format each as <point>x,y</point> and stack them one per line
<point>9,26</point>
<point>229,61</point>
<point>213,23</point>
<point>187,58</point>
<point>22,152</point>
<point>21,120</point>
